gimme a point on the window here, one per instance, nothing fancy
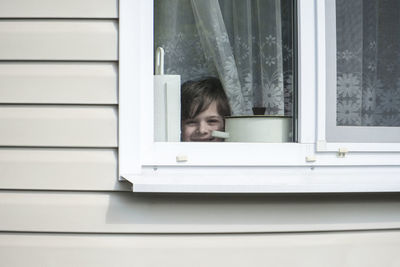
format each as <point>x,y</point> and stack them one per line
<point>247,45</point>
<point>314,163</point>
<point>363,93</point>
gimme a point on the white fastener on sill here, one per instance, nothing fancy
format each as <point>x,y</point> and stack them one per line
<point>311,159</point>
<point>181,158</point>
<point>342,152</point>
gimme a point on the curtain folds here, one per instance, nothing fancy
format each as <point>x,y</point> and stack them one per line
<point>215,42</point>
<point>368,62</point>
<point>246,43</point>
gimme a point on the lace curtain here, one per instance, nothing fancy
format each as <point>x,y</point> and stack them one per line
<point>368,62</point>
<point>246,43</point>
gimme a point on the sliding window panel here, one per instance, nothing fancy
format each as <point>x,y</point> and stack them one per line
<point>363,70</point>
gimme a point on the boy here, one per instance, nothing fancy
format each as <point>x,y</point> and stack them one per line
<point>204,105</point>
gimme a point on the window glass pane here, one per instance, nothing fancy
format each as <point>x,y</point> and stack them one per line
<point>368,62</point>
<point>247,45</point>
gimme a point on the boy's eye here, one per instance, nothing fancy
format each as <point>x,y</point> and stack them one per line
<point>213,121</point>
<point>190,122</point>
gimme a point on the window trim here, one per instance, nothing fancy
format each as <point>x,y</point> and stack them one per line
<point>131,29</point>
<point>300,179</point>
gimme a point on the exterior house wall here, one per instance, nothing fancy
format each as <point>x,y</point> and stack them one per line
<point>61,203</point>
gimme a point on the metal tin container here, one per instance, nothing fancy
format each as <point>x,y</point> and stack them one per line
<point>259,129</point>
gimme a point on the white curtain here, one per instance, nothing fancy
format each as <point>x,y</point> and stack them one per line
<point>246,43</point>
<point>368,62</point>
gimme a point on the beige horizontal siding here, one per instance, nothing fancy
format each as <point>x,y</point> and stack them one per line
<point>58,39</point>
<point>372,249</point>
<point>60,169</point>
<point>69,83</point>
<point>126,212</point>
<point>59,126</point>
<point>59,8</point>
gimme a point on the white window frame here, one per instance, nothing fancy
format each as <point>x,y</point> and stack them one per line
<point>235,167</point>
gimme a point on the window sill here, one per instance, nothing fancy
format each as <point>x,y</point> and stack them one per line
<point>266,179</point>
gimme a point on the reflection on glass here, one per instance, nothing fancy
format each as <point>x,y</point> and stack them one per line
<point>246,44</point>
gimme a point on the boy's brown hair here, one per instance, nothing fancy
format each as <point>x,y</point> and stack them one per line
<point>196,96</point>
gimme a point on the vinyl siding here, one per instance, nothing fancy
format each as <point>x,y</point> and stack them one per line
<point>59,9</point>
<point>372,249</point>
<point>59,169</point>
<point>61,203</point>
<point>125,212</point>
<point>58,82</point>
<point>59,95</point>
<point>56,39</point>
<point>58,126</point>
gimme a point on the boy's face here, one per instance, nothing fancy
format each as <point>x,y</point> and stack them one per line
<point>199,129</point>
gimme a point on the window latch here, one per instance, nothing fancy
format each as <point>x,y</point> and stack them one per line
<point>342,152</point>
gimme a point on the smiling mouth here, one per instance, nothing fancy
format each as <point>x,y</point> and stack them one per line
<point>211,139</point>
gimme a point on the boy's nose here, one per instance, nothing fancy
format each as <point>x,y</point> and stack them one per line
<point>203,128</point>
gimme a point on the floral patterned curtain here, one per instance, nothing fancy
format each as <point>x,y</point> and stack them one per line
<point>246,43</point>
<point>368,62</point>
